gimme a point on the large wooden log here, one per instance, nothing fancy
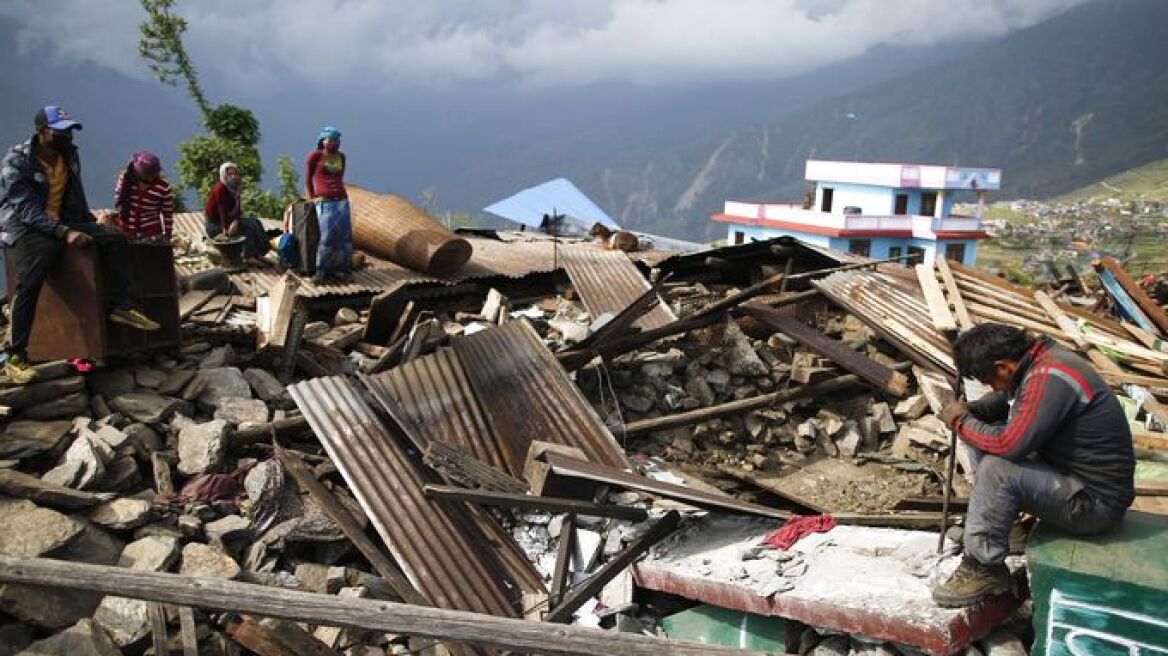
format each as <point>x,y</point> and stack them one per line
<point>391,227</point>
<point>371,615</point>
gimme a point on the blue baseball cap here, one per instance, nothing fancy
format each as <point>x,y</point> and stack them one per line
<point>54,117</point>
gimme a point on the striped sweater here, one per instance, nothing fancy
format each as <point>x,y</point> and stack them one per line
<point>1061,410</point>
<point>149,211</point>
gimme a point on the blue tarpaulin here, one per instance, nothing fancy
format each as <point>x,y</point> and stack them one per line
<point>559,197</point>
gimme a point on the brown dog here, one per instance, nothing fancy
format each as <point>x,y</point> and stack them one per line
<point>614,240</point>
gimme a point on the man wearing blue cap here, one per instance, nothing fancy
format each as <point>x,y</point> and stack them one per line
<point>42,210</point>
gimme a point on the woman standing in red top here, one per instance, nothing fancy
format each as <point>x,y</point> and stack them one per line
<point>144,200</point>
<point>324,183</point>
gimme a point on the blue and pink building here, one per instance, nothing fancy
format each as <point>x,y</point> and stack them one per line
<point>876,210</point>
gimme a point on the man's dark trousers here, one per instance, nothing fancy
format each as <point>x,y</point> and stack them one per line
<point>1002,488</point>
<point>35,254</point>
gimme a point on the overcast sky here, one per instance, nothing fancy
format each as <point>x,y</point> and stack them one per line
<point>254,46</point>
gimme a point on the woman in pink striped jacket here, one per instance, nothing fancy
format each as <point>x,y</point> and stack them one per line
<point>143,200</point>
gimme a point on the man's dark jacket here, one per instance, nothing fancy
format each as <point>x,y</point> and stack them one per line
<point>1063,412</point>
<point>24,193</point>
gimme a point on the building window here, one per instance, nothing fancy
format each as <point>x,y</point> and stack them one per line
<point>916,255</point>
<point>739,237</point>
<point>900,208</point>
<point>894,251</point>
<point>828,194</point>
<point>928,203</point>
<point>955,252</point>
<point>860,247</point>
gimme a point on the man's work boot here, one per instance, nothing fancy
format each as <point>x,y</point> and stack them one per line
<point>134,319</point>
<point>19,370</point>
<point>970,582</point>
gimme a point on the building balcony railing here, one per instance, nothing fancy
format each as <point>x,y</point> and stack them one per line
<point>921,226</point>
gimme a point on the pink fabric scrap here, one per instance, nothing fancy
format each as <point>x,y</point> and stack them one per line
<point>796,527</point>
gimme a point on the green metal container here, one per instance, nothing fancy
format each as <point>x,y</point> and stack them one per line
<point>714,625</point>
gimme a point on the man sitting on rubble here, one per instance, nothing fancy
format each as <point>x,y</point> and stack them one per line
<point>42,210</point>
<point>1052,440</point>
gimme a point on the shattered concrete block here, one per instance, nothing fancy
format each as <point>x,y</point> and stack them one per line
<point>849,443</point>
<point>201,446</point>
<point>208,562</point>
<point>912,407</point>
<point>122,514</point>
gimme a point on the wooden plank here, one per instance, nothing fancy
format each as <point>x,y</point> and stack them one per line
<point>271,637</point>
<point>349,526</point>
<point>158,632</point>
<point>373,615</point>
<point>630,554</point>
<point>1152,489</point>
<point>1154,312</point>
<point>563,560</point>
<point>188,630</point>
<point>292,341</point>
<point>885,378</point>
<point>935,299</point>
<point>1150,441</point>
<point>530,502</point>
<point>1146,338</point>
<point>1071,330</point>
<point>964,321</point>
<point>191,301</point>
<point>342,337</point>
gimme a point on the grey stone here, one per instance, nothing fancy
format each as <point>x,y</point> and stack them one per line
<point>267,387</point>
<point>176,381</point>
<point>194,388</point>
<point>85,638</point>
<point>201,446</point>
<point>121,475</point>
<point>149,377</point>
<point>26,396</point>
<point>228,532</point>
<point>208,562</point>
<point>144,439</point>
<point>151,553</point>
<point>220,383</point>
<point>719,379</point>
<point>146,407</point>
<point>218,358</point>
<point>237,410</point>
<point>69,405</point>
<point>315,578</point>
<point>31,531</point>
<point>314,329</point>
<point>83,464</point>
<point>346,316</point>
<point>883,414</point>
<point>25,439</point>
<point>190,526</point>
<point>14,638</point>
<point>740,357</point>
<point>849,443</point>
<point>110,436</point>
<point>832,646</point>
<point>112,383</point>
<point>122,514</point>
<point>872,649</point>
<point>1001,642</point>
<point>66,474</point>
<point>637,402</point>
<point>700,390</point>
<point>912,407</point>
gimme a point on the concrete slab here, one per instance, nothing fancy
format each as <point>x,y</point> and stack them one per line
<point>875,582</point>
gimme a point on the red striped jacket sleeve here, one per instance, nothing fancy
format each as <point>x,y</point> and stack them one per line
<point>1047,396</point>
<point>167,208</point>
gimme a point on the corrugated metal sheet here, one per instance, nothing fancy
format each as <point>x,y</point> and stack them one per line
<point>438,546</point>
<point>608,281</point>
<point>491,395</point>
<point>896,314</point>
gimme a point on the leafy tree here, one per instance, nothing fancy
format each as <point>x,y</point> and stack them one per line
<point>161,45</point>
<point>199,160</point>
<point>289,180</point>
<point>234,123</point>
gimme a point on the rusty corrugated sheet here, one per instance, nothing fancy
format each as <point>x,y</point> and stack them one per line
<point>607,281</point>
<point>438,546</point>
<point>491,395</point>
<point>887,307</point>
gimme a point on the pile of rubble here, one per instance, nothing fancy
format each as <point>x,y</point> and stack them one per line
<point>439,444</point>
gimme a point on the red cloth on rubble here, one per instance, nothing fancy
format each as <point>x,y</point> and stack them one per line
<point>796,527</point>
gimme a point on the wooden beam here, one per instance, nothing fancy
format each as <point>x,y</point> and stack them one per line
<point>590,587</point>
<point>563,560</point>
<point>163,481</point>
<point>258,433</point>
<point>1146,338</point>
<point>935,299</point>
<point>349,526</point>
<point>188,631</point>
<point>1071,330</point>
<point>1150,441</point>
<point>964,321</point>
<point>367,614</point>
<point>1152,489</point>
<point>530,502</point>
<point>191,301</point>
<point>885,378</point>
<point>271,637</point>
<point>158,632</point>
<point>740,406</point>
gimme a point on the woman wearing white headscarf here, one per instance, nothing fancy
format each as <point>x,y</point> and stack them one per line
<point>223,213</point>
